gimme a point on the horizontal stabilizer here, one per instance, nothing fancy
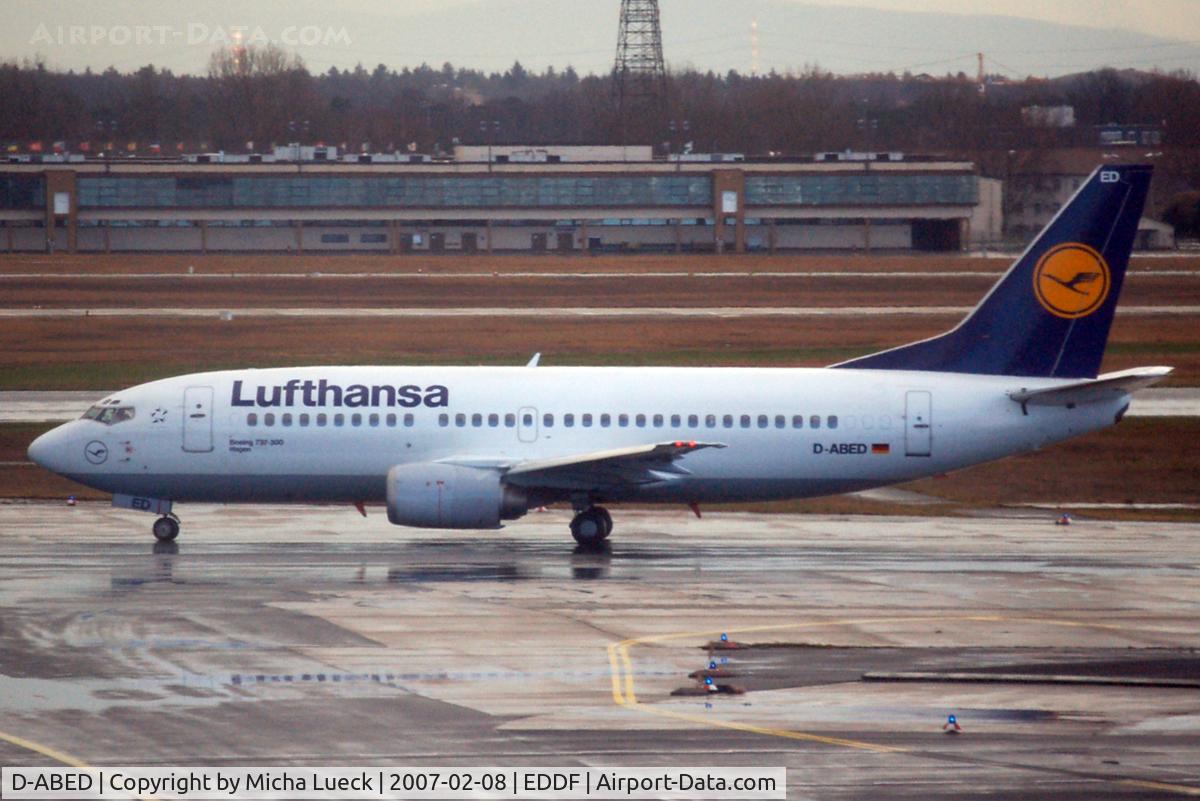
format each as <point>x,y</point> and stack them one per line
<point>638,464</point>
<point>1097,389</point>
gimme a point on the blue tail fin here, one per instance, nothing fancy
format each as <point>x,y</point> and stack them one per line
<point>1051,312</point>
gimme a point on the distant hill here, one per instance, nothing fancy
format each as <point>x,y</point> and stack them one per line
<point>492,34</point>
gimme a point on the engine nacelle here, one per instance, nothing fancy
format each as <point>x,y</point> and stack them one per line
<point>429,495</point>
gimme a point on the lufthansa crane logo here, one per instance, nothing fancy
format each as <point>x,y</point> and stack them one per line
<point>1071,281</point>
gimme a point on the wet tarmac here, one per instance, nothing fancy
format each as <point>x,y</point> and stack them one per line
<point>301,635</point>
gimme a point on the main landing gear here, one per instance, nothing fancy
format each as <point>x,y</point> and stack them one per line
<point>591,526</point>
<point>166,528</point>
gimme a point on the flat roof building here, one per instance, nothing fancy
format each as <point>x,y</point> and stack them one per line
<point>467,206</point>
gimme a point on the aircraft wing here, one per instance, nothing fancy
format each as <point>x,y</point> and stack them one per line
<point>1091,390</point>
<point>638,464</point>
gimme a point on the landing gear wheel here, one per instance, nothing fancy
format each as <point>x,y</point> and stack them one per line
<point>606,519</point>
<point>166,528</point>
<point>591,526</point>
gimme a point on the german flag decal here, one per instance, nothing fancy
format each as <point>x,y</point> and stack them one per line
<point>881,448</point>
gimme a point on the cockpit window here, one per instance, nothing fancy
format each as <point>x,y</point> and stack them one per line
<point>109,415</point>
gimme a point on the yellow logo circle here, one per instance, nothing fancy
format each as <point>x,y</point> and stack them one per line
<point>1071,280</point>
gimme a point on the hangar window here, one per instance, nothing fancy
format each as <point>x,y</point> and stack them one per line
<point>252,419</point>
<point>109,415</point>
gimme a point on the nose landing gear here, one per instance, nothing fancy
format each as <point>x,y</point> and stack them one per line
<point>591,526</point>
<point>166,528</point>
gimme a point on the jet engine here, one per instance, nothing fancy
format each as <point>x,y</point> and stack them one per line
<point>429,495</point>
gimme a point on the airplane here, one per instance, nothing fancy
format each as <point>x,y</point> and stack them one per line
<point>473,447</point>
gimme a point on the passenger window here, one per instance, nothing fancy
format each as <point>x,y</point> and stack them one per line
<point>476,420</point>
<point>443,419</point>
<point>797,421</point>
<point>339,420</point>
<point>658,421</point>
<point>356,419</point>
<point>693,421</point>
<point>408,420</point>
<point>252,419</point>
<point>814,421</point>
<point>676,420</point>
<point>569,420</point>
<point>780,421</point>
<point>373,420</point>
<point>460,419</point>
<point>745,421</point>
<point>831,421</point>
<point>710,420</point>
<point>304,420</point>
<point>586,421</point>
<point>605,420</point>
<point>527,419</point>
<point>623,420</point>
<point>547,421</point>
<point>727,421</point>
<point>640,420</point>
<point>322,420</point>
<point>286,419</point>
<point>268,419</point>
<point>510,420</point>
<point>391,421</point>
<point>763,422</point>
<point>494,420</point>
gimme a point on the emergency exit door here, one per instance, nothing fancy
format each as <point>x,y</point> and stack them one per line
<point>918,424</point>
<point>197,419</point>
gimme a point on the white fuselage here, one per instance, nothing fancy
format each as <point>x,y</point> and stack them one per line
<point>195,438</point>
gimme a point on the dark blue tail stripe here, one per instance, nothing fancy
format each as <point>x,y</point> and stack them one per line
<point>1011,332</point>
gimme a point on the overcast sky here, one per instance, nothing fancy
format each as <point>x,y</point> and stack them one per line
<point>922,35</point>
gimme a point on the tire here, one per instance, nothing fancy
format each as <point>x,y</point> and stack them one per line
<point>606,520</point>
<point>165,529</point>
<point>588,528</point>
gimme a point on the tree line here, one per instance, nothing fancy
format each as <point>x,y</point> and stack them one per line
<point>256,96</point>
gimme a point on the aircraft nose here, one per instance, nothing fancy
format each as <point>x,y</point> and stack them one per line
<point>46,450</point>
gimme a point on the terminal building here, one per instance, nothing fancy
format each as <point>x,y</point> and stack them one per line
<point>498,200</point>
